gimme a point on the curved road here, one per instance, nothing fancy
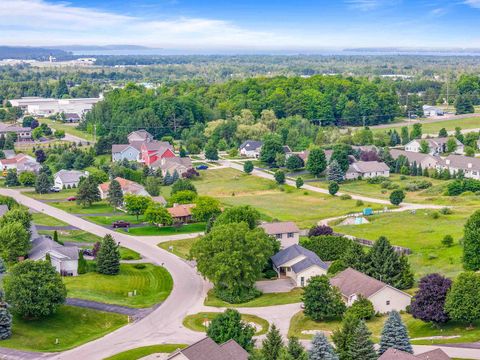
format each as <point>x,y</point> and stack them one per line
<point>164,325</point>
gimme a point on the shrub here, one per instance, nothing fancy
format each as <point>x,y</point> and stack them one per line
<point>270,274</point>
<point>403,177</point>
<point>333,188</point>
<point>336,266</point>
<point>320,230</point>
<point>345,197</point>
<point>447,240</point>
<point>327,247</point>
<point>377,180</point>
<point>396,197</point>
<point>435,215</point>
<point>446,211</point>
<point>385,184</point>
<point>362,309</point>
<point>140,266</point>
<point>460,186</point>
<point>359,203</point>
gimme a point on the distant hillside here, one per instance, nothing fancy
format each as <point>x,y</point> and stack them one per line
<point>31,53</point>
<point>100,47</point>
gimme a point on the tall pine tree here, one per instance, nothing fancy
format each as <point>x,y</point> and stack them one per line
<point>5,322</point>
<point>362,345</point>
<point>321,349</point>
<point>394,335</point>
<point>115,194</point>
<point>108,257</point>
<point>344,337</point>
<point>335,172</point>
<point>272,345</point>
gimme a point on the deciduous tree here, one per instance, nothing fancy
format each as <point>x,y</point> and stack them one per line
<point>321,300</point>
<point>157,215</point>
<point>14,241</point>
<point>428,304</point>
<point>228,326</point>
<point>462,302</point>
<point>471,242</point>
<point>136,204</point>
<point>316,162</point>
<point>205,208</point>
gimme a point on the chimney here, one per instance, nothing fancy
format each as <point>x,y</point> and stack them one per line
<point>469,165</point>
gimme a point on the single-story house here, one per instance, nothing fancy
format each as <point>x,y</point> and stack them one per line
<point>298,264</point>
<point>181,213</point>
<point>367,169</point>
<point>63,258</point>
<point>139,136</point>
<point>20,163</point>
<point>207,349</point>
<point>250,148</point>
<point>68,178</point>
<point>395,354</point>
<point>352,283</point>
<point>128,187</point>
<point>429,110</point>
<point>469,165</point>
<point>129,152</point>
<point>160,200</point>
<point>172,164</point>
<point>72,118</point>
<point>23,133</point>
<point>436,145</point>
<point>286,232</point>
<point>426,161</point>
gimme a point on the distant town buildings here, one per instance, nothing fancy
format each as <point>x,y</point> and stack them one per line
<point>38,106</point>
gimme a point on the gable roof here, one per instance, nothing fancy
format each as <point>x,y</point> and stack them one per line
<point>462,162</point>
<point>394,354</point>
<point>207,349</point>
<point>142,133</point>
<point>182,210</point>
<point>368,166</point>
<point>413,156</point>
<point>435,354</point>
<point>69,176</point>
<point>273,228</point>
<point>295,251</point>
<point>438,141</point>
<point>251,145</point>
<point>127,186</point>
<point>43,245</point>
<point>160,146</point>
<point>351,281</point>
<point>172,163</point>
<point>117,148</point>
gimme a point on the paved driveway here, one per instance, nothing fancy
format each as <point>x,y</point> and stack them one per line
<point>275,286</point>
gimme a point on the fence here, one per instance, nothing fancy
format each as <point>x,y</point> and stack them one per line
<point>369,243</point>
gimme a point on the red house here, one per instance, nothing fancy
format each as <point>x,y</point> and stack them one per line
<point>155,150</point>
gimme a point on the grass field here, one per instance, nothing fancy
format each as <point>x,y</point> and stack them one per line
<point>294,296</point>
<point>69,129</point>
<point>416,329</point>
<point>78,236</point>
<point>167,230</point>
<point>153,285</point>
<point>72,326</point>
<point>128,254</point>
<point>434,128</point>
<point>306,208</point>
<point>44,219</point>
<point>138,353</point>
<point>107,220</point>
<point>422,234</point>
<point>61,195</point>
<point>198,322</point>
<point>181,248</point>
<point>74,208</point>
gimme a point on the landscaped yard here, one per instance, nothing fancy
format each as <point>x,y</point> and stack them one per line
<point>72,326</point>
<point>233,187</point>
<point>77,236</point>
<point>69,129</point>
<point>128,254</point>
<point>199,322</point>
<point>96,208</point>
<point>181,248</point>
<point>143,351</point>
<point>420,232</point>
<point>61,195</point>
<point>166,230</point>
<point>153,284</point>
<point>416,329</point>
<point>44,219</point>
<point>107,220</point>
<point>271,299</point>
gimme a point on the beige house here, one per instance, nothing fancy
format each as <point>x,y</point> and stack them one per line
<point>286,232</point>
<point>455,163</point>
<point>207,349</point>
<point>299,264</point>
<point>426,161</point>
<point>172,164</point>
<point>436,146</point>
<point>367,169</point>
<point>385,298</point>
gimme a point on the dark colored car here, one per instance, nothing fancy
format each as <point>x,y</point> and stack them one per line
<point>120,224</point>
<point>71,198</point>
<point>202,167</point>
<point>55,189</point>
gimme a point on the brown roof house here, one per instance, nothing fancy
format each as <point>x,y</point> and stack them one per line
<point>394,354</point>
<point>352,283</point>
<point>181,213</point>
<point>299,264</point>
<point>367,169</point>
<point>287,232</point>
<point>207,349</point>
<point>128,187</point>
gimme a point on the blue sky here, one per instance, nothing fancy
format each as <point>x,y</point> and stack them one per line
<point>303,25</point>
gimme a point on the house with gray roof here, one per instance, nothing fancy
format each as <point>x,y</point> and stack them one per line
<point>66,179</point>
<point>352,284</point>
<point>426,161</point>
<point>207,349</point>
<point>436,146</point>
<point>395,354</point>
<point>63,258</point>
<point>455,163</point>
<point>287,232</point>
<point>250,148</point>
<point>299,264</point>
<point>367,169</point>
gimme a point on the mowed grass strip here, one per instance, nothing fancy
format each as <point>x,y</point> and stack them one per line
<point>76,236</point>
<point>151,230</point>
<point>181,248</point>
<point>271,299</point>
<point>153,285</point>
<point>72,326</point>
<point>197,322</point>
<point>138,353</point>
<point>44,219</point>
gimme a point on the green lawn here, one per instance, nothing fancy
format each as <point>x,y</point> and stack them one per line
<point>69,129</point>
<point>138,353</point>
<point>153,285</point>
<point>74,208</point>
<point>294,296</point>
<point>129,254</point>
<point>306,208</point>
<point>78,236</point>
<point>422,234</point>
<point>44,219</point>
<point>198,322</point>
<point>166,230</point>
<point>108,220</point>
<point>416,329</point>
<point>434,128</point>
<point>72,326</point>
<point>61,195</point>
<point>181,248</point>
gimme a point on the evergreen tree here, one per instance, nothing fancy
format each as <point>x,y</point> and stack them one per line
<point>2,266</point>
<point>321,349</point>
<point>115,194</point>
<point>355,257</point>
<point>5,321</point>
<point>248,167</point>
<point>394,335</point>
<point>295,350</point>
<point>345,337</point>
<point>334,172</point>
<point>82,263</point>
<point>405,136</point>
<point>333,188</point>
<point>272,345</point>
<point>362,345</point>
<point>11,179</point>
<point>88,192</point>
<point>175,176</point>
<point>108,257</point>
<point>43,184</point>
<point>298,182</point>
<point>62,88</point>
<point>167,180</point>
<point>316,162</point>
<point>55,236</point>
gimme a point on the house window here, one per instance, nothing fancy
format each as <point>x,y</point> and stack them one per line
<point>290,235</point>
<point>278,236</point>
<point>302,281</point>
<point>388,302</point>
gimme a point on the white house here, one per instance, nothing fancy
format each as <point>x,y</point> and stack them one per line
<point>63,258</point>
<point>436,146</point>
<point>367,169</point>
<point>299,264</point>
<point>68,178</point>
<point>426,161</point>
<point>429,110</point>
<point>250,148</point>
<point>352,283</point>
<point>20,163</point>
<point>469,165</point>
<point>286,232</point>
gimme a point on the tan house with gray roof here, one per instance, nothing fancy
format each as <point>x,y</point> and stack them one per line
<point>287,232</point>
<point>426,161</point>
<point>367,169</point>
<point>469,165</point>
<point>385,298</point>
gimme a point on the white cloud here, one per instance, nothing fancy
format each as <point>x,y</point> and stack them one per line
<point>473,3</point>
<point>364,5</point>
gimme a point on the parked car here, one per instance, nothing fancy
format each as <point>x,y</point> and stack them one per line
<point>88,252</point>
<point>121,224</point>
<point>71,198</point>
<point>55,189</point>
<point>202,167</point>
